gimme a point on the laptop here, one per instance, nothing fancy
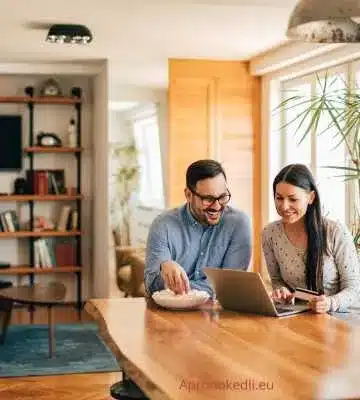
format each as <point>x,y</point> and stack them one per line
<point>245,292</point>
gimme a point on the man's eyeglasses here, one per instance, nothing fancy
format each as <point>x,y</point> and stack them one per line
<point>208,201</point>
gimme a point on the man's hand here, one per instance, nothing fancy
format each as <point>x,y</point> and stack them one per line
<point>282,294</point>
<point>320,304</point>
<point>175,277</point>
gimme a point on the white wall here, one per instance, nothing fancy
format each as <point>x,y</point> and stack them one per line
<point>121,132</point>
<point>101,232</point>
<point>121,93</point>
<point>49,118</point>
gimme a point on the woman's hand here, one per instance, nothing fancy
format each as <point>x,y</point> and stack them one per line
<point>320,304</point>
<point>282,294</point>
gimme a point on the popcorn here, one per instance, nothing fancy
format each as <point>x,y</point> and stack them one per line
<point>168,299</point>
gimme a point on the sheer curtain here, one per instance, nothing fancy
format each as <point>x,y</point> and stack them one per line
<point>147,139</point>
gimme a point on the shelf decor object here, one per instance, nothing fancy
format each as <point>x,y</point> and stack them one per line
<point>50,88</point>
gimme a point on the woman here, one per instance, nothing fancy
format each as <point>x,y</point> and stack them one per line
<point>306,250</point>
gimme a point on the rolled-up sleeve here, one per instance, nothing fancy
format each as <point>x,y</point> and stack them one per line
<point>238,254</point>
<point>157,252</point>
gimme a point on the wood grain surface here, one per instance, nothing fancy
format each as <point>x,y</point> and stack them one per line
<point>212,353</point>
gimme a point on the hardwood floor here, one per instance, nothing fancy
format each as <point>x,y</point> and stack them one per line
<point>65,387</point>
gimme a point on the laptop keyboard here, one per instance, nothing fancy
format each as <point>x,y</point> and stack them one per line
<point>281,309</point>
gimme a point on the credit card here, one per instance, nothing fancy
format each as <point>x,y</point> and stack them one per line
<point>305,294</point>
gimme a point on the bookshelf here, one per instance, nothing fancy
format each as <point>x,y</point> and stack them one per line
<point>35,234</point>
<point>37,149</point>
<point>39,100</point>
<point>32,234</point>
<point>38,197</point>
<point>27,269</point>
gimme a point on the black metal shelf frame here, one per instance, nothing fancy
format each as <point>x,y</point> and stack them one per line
<point>31,203</point>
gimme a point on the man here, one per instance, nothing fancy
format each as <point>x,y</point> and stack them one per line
<point>203,232</point>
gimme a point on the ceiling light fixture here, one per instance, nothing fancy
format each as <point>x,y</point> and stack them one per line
<point>69,33</point>
<point>325,21</point>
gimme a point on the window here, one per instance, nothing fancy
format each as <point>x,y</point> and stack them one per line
<point>330,152</point>
<point>317,151</point>
<point>296,146</point>
<point>146,132</point>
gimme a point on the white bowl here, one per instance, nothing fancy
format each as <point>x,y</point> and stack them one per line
<point>168,299</point>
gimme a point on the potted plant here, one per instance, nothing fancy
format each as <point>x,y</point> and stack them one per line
<point>124,184</point>
<point>340,104</point>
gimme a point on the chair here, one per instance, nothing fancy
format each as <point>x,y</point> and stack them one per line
<point>129,268</point>
<point>131,259</point>
<point>130,275</point>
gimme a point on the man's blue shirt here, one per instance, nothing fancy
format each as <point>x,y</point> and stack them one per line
<point>176,235</point>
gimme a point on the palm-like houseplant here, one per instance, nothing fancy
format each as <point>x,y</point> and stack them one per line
<point>342,108</point>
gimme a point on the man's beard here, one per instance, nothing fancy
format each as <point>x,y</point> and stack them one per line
<point>205,218</point>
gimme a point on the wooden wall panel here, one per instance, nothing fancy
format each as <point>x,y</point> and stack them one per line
<point>235,146</point>
<point>189,126</point>
<point>214,112</point>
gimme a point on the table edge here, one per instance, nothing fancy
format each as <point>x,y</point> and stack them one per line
<point>132,371</point>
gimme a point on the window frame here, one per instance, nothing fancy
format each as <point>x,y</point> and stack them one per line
<point>278,91</point>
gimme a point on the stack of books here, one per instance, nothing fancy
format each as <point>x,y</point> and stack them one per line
<point>9,221</point>
<point>68,220</point>
<point>51,253</point>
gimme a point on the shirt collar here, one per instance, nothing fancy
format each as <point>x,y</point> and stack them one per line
<point>190,218</point>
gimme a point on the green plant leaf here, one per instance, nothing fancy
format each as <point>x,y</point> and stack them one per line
<point>334,111</point>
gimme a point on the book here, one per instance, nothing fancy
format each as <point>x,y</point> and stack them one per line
<point>64,217</point>
<point>51,181</point>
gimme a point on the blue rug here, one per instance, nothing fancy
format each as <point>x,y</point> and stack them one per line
<point>79,349</point>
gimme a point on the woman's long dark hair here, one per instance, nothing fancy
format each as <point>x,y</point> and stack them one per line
<point>299,175</point>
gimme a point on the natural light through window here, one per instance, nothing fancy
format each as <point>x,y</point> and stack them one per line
<point>146,132</point>
<point>297,144</point>
<point>315,150</point>
<point>330,151</point>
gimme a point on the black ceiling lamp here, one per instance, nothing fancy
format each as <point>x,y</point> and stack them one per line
<point>69,33</point>
<point>325,21</point>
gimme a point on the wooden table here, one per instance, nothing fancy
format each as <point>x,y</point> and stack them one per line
<point>41,295</point>
<point>212,354</point>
